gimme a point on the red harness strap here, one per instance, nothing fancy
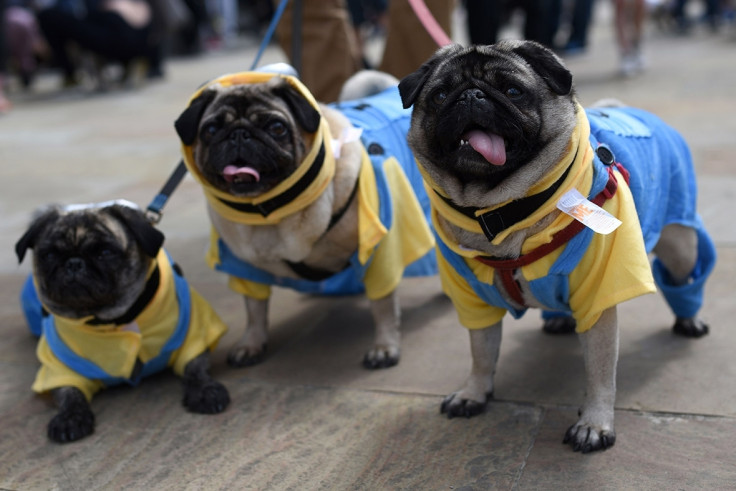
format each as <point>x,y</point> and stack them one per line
<point>506,267</point>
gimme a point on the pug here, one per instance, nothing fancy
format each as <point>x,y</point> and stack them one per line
<point>110,308</point>
<point>540,203</point>
<point>307,196</point>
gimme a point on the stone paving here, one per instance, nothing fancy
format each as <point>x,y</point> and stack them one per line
<point>310,417</point>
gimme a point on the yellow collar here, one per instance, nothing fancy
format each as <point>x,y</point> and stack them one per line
<point>577,159</point>
<point>308,181</point>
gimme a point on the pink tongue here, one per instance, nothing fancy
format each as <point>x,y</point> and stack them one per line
<point>489,145</point>
<point>231,172</point>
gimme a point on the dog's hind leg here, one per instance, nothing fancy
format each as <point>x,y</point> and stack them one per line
<point>386,349</point>
<point>471,399</point>
<point>203,394</point>
<point>251,348</point>
<point>594,430</point>
<point>685,257</point>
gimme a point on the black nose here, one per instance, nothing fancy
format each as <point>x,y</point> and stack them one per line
<point>239,134</point>
<point>472,94</point>
<point>74,265</point>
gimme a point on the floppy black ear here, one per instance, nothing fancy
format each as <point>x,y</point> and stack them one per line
<point>146,235</point>
<point>547,65</point>
<point>411,85</point>
<point>38,224</point>
<point>306,115</point>
<point>187,123</point>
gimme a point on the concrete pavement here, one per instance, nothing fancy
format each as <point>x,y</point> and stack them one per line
<point>310,417</point>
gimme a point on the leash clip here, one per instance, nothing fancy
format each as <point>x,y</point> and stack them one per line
<point>153,216</point>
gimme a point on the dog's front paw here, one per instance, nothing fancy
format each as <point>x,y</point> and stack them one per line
<point>585,438</point>
<point>71,424</point>
<point>245,355</point>
<point>456,405</point>
<point>382,357</point>
<point>210,397</point>
<point>690,327</point>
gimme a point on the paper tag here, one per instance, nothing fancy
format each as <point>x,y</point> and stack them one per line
<point>588,213</point>
<point>348,135</point>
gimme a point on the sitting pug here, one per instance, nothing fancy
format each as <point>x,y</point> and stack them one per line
<point>110,308</point>
<point>299,198</point>
<point>539,203</point>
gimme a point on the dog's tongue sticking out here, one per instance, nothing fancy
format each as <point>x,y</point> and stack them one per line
<point>232,173</point>
<point>489,145</point>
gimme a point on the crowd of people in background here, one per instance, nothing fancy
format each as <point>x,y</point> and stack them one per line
<point>68,36</point>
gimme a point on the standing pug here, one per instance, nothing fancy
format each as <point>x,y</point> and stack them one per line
<point>505,147</point>
<point>297,199</point>
<point>110,308</point>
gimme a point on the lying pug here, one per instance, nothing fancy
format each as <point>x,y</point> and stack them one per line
<point>504,147</point>
<point>297,199</point>
<point>110,307</point>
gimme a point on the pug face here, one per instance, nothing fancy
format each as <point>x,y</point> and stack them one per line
<point>90,261</point>
<point>247,139</point>
<point>482,113</point>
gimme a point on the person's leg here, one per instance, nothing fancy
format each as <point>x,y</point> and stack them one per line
<point>536,21</point>
<point>4,102</point>
<point>408,43</point>
<point>329,52</point>
<point>484,20</point>
<point>581,15</point>
<point>22,38</point>
<point>57,27</point>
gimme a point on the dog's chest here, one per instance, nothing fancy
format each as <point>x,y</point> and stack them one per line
<point>287,240</point>
<point>298,238</point>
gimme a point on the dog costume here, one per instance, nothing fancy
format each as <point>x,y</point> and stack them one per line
<point>169,325</point>
<point>585,273</point>
<point>394,236</point>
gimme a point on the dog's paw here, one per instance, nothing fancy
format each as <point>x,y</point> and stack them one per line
<point>71,424</point>
<point>210,397</point>
<point>587,438</point>
<point>455,405</point>
<point>690,327</point>
<point>382,357</point>
<point>245,356</point>
<point>559,325</point>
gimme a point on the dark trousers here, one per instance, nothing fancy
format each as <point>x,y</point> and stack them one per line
<point>485,18</point>
<point>104,33</point>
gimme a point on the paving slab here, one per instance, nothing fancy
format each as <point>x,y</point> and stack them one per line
<point>285,437</point>
<point>310,417</point>
<point>657,451</point>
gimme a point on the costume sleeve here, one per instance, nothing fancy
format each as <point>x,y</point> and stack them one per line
<point>473,312</point>
<point>408,239</point>
<point>205,330</point>
<point>249,288</point>
<point>615,267</point>
<point>54,374</point>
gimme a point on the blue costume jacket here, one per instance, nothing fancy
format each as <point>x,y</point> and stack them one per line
<point>384,123</point>
<point>662,183</point>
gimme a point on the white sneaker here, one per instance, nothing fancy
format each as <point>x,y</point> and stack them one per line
<point>632,64</point>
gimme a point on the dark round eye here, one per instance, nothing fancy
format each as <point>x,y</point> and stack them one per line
<point>277,128</point>
<point>105,253</point>
<point>210,129</point>
<point>439,97</point>
<point>513,92</point>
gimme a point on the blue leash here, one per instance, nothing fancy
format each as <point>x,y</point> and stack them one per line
<point>154,211</point>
